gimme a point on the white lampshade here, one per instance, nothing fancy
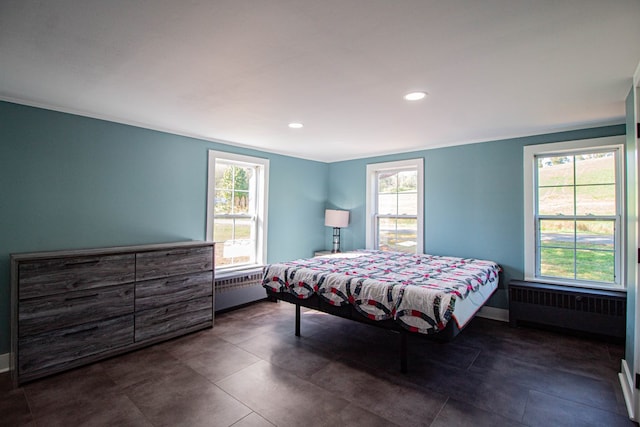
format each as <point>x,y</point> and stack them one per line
<point>336,218</point>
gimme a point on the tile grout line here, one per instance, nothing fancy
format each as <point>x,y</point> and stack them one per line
<point>215,383</point>
<point>124,394</point>
<point>474,360</point>
<point>29,404</point>
<point>440,411</point>
<point>526,404</point>
<point>249,414</point>
<point>237,399</point>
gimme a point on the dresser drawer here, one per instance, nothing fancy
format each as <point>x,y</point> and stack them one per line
<point>65,345</point>
<point>74,308</point>
<point>53,276</point>
<point>159,264</point>
<point>161,292</point>
<point>159,321</point>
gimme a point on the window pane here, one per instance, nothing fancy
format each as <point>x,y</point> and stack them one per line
<point>233,188</point>
<point>224,255</point>
<point>397,193</point>
<point>557,262</point>
<point>243,229</point>
<point>555,171</point>
<point>397,234</point>
<point>598,266</point>
<point>555,201</point>
<point>222,229</point>
<point>235,241</point>
<point>406,239</point>
<point>387,182</point>
<point>222,202</point>
<point>241,247</point>
<point>222,170</point>
<point>596,199</point>
<point>407,181</point>
<point>557,233</point>
<point>386,233</point>
<point>596,168</point>
<point>388,204</point>
<point>241,203</point>
<point>242,190</point>
<point>595,235</point>
<point>408,203</point>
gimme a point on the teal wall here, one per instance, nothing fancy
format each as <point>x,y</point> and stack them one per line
<point>632,224</point>
<point>73,182</point>
<point>473,199</point>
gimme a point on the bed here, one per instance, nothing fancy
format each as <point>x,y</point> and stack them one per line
<point>424,294</point>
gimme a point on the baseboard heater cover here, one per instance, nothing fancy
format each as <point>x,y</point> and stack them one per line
<point>237,288</point>
<point>595,311</point>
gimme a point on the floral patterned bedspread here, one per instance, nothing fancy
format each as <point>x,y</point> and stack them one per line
<point>419,291</point>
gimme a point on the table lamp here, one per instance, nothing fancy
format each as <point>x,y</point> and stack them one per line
<point>336,219</point>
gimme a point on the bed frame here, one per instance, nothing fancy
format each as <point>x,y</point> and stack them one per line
<point>349,312</point>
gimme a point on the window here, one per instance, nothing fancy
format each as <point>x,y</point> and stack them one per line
<point>237,209</point>
<point>395,206</point>
<point>573,212</point>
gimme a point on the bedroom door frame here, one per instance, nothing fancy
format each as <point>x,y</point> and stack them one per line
<point>629,375</point>
<point>634,412</point>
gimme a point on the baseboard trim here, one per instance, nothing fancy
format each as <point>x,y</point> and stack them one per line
<point>626,382</point>
<point>4,362</point>
<point>493,313</point>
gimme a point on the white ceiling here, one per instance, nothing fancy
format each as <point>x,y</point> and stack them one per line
<point>237,71</point>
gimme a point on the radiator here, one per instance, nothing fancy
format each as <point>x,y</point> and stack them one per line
<point>600,312</point>
<point>238,288</point>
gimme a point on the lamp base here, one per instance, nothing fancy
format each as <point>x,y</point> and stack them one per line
<point>336,240</point>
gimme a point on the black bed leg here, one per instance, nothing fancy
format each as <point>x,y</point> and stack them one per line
<point>297,320</point>
<point>403,352</point>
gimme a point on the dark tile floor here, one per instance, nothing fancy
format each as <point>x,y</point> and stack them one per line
<point>250,370</point>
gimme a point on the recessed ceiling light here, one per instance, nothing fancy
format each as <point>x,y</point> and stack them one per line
<point>415,96</point>
<point>295,125</point>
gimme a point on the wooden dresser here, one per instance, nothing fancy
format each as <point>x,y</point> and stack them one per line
<point>70,308</point>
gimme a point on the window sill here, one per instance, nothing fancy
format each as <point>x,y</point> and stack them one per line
<point>586,286</point>
<point>531,284</point>
<point>233,271</point>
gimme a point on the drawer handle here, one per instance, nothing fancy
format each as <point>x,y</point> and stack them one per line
<point>81,297</point>
<point>87,262</point>
<point>94,328</point>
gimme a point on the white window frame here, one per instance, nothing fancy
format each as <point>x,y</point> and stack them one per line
<point>530,153</point>
<point>372,191</point>
<point>262,208</point>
